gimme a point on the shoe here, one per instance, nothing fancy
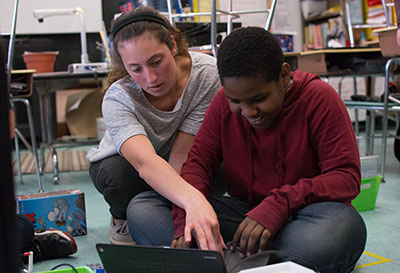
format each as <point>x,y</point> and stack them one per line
<point>119,234</point>
<point>53,244</point>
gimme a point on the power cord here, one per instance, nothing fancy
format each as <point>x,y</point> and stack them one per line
<point>57,266</point>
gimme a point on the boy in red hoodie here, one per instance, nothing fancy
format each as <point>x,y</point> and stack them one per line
<point>290,156</point>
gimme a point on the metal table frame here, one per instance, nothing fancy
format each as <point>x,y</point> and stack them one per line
<point>45,84</point>
<point>385,107</point>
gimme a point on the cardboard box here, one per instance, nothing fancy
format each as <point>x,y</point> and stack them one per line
<point>313,62</point>
<point>388,41</point>
<point>369,191</point>
<point>62,210</point>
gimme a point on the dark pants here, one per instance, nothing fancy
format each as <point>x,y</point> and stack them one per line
<point>329,235</point>
<point>116,179</point>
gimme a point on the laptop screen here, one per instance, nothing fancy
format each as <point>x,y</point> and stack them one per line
<point>138,259</point>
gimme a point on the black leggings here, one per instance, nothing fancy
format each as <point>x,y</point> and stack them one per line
<point>116,179</point>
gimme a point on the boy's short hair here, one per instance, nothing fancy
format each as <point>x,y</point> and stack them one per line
<point>250,51</point>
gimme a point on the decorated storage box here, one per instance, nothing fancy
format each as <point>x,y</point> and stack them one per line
<point>62,210</point>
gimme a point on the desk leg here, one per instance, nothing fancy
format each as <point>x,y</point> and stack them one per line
<point>372,133</point>
<point>54,161</point>
<point>357,128</point>
<point>47,129</point>
<point>44,138</point>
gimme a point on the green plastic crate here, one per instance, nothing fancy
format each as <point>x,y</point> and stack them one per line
<point>83,269</point>
<point>369,191</point>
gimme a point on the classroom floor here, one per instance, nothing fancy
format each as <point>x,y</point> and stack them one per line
<point>382,253</point>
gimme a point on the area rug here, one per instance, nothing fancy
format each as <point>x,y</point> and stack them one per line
<point>68,160</point>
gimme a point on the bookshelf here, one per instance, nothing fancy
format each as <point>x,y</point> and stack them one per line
<point>326,15</point>
<point>327,29</point>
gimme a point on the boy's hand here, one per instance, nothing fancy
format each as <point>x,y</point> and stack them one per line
<point>180,243</point>
<point>247,235</point>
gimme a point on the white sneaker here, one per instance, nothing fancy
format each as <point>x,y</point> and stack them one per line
<point>119,234</point>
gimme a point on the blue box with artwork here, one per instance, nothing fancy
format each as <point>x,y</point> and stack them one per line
<point>62,210</point>
<point>285,41</point>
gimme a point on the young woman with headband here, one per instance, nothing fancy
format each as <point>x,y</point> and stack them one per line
<point>155,103</point>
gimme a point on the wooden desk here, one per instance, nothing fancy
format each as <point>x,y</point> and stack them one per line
<point>343,61</point>
<point>46,84</point>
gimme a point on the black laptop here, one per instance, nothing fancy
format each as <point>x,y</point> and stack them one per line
<point>145,259</point>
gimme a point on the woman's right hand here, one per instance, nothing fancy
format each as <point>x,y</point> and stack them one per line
<point>202,224</point>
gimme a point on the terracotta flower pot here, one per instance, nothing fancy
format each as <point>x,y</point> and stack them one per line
<point>42,62</point>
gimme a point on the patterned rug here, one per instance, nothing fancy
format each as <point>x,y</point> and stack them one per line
<point>68,160</point>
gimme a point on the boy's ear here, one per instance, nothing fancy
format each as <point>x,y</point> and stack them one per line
<point>285,74</point>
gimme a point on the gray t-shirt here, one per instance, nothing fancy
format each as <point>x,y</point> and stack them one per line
<point>127,112</point>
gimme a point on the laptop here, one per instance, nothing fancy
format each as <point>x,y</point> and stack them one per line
<point>147,259</point>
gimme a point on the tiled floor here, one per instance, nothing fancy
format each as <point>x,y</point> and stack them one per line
<point>382,252</point>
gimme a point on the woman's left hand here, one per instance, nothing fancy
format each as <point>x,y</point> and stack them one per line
<point>247,235</point>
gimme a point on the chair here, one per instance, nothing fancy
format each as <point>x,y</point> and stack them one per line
<point>372,107</point>
<point>20,91</point>
<point>388,104</point>
<point>230,13</point>
<point>22,97</point>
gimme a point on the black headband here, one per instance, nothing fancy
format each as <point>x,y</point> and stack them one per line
<point>137,17</point>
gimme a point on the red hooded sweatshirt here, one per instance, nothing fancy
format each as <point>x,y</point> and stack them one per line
<point>308,155</point>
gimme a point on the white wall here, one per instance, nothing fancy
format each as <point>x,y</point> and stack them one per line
<point>26,24</point>
<point>285,21</point>
<point>246,19</point>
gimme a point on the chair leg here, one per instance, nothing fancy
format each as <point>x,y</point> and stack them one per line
<point>33,139</point>
<point>367,137</point>
<point>54,161</point>
<point>42,158</point>
<point>34,145</point>
<point>18,155</point>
